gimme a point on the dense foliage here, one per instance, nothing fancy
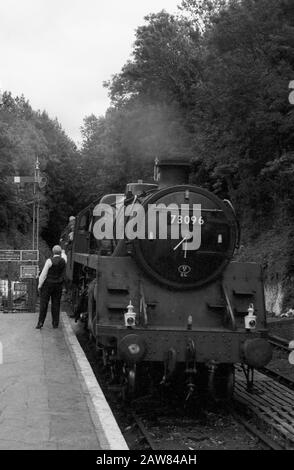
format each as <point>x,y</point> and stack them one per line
<point>210,84</point>
<point>25,135</point>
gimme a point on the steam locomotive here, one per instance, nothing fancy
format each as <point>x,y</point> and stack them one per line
<point>168,306</point>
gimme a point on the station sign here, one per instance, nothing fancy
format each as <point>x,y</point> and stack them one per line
<point>20,286</point>
<point>10,255</point>
<point>19,255</point>
<point>40,179</point>
<point>29,255</point>
<point>29,272</point>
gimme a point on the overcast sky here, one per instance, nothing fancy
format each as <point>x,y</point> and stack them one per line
<point>59,52</point>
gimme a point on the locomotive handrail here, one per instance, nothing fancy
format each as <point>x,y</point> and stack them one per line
<point>227,298</point>
<point>228,202</point>
<point>143,305</point>
<point>211,210</point>
<point>212,252</point>
<point>167,209</point>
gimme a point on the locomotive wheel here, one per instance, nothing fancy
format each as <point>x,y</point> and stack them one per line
<point>129,385</point>
<point>132,381</point>
<point>169,365</point>
<point>139,380</point>
<point>225,382</point>
<point>221,382</point>
<point>104,358</point>
<point>74,297</point>
<point>91,320</point>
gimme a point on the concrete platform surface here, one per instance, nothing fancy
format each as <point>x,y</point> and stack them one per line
<point>43,404</point>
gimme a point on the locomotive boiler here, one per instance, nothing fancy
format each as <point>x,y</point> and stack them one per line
<point>164,300</point>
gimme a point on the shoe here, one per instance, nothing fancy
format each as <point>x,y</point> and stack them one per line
<point>39,326</point>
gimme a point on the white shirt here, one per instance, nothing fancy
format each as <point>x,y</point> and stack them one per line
<point>47,266</point>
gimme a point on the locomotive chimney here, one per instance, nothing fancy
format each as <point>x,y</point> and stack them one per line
<point>171,172</point>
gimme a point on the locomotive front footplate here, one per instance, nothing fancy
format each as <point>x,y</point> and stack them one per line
<point>135,344</point>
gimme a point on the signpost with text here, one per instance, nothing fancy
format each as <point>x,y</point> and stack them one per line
<point>29,258</point>
<point>19,255</point>
<point>29,272</point>
<point>21,299</point>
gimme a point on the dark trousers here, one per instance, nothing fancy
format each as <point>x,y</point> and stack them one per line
<point>53,291</point>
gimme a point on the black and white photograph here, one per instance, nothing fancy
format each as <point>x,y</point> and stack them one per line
<point>147,231</point>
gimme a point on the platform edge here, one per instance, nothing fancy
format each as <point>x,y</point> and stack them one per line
<point>107,430</point>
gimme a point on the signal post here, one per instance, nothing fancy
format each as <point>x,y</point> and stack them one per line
<point>27,259</point>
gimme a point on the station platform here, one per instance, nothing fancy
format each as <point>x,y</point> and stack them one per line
<point>49,396</point>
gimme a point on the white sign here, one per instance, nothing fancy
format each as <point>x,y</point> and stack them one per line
<point>29,272</point>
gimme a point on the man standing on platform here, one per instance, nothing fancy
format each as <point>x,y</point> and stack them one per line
<point>50,284</point>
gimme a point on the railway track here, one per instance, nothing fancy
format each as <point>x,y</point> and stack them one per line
<point>272,401</point>
<point>268,442</point>
<point>270,405</point>
<point>263,414</point>
<point>148,424</point>
<point>261,435</point>
<point>279,368</point>
<point>144,432</point>
<point>279,342</point>
<point>268,412</point>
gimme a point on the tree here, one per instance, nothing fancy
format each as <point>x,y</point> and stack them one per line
<point>25,135</point>
<point>164,62</point>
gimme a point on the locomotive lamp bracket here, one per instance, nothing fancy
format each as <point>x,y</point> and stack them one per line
<point>130,316</point>
<point>189,322</point>
<point>250,319</point>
